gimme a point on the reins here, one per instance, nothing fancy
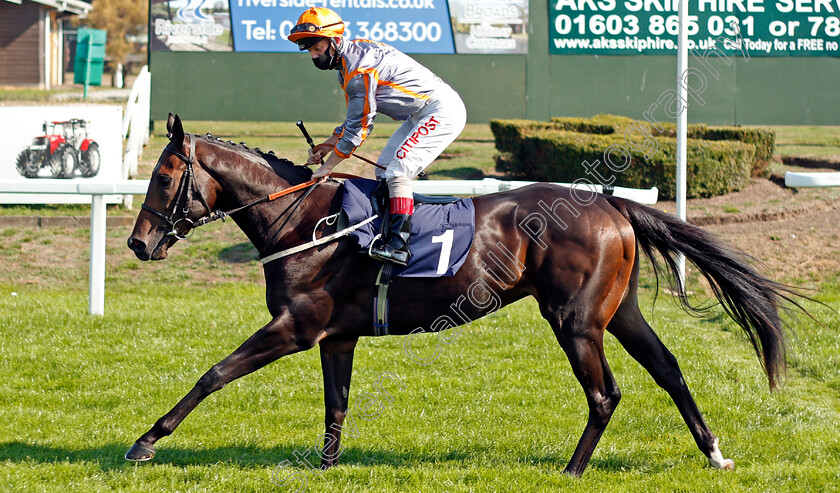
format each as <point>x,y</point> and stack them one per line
<point>311,185</point>
<point>187,188</point>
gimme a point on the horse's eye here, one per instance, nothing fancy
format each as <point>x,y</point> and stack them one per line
<point>165,181</point>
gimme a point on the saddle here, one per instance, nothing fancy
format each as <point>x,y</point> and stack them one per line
<point>442,232</point>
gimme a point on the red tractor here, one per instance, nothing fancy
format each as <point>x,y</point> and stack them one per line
<point>65,148</point>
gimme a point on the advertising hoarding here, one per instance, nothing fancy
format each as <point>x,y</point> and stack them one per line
<point>770,28</point>
<point>412,26</point>
<point>74,143</point>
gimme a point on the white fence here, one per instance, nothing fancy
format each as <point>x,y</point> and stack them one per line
<point>135,129</point>
<point>135,125</point>
<point>98,191</point>
<point>824,179</point>
<point>135,133</point>
<point>490,185</point>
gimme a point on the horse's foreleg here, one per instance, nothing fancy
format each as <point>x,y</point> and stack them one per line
<point>633,332</point>
<point>337,366</point>
<point>278,338</point>
<point>586,355</point>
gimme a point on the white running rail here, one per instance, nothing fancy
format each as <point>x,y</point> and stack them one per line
<point>818,179</point>
<point>98,191</point>
<point>491,185</point>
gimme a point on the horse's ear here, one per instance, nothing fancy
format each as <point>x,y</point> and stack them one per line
<point>175,128</point>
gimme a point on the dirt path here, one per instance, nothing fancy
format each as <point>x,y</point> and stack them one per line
<point>794,233</point>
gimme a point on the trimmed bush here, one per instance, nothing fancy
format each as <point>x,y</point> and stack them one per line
<point>582,125</point>
<point>714,168</point>
<point>764,139</point>
<point>507,133</point>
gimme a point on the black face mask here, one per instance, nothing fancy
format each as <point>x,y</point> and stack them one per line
<point>325,61</point>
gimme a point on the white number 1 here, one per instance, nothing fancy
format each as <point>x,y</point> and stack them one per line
<point>445,249</point>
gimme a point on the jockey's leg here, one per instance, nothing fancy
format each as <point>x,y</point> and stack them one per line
<point>413,147</point>
<point>395,245</point>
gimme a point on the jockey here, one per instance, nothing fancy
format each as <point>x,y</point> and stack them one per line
<point>375,78</point>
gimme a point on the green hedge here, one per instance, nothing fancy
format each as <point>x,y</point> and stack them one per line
<point>714,167</point>
<point>507,133</point>
<point>573,140</point>
<point>764,139</point>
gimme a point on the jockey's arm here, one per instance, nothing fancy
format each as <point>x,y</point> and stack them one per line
<point>361,111</point>
<point>332,161</point>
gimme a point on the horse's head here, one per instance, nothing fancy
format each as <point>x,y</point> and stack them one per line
<point>180,192</point>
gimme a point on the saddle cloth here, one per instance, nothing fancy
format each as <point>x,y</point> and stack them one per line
<point>441,235</point>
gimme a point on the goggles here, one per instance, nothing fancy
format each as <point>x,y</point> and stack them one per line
<point>310,28</point>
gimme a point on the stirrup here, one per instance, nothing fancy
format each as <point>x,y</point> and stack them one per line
<point>383,255</point>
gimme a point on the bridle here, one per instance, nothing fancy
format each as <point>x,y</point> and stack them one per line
<point>186,190</point>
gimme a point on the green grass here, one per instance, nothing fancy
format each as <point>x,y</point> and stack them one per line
<point>812,141</point>
<point>52,210</point>
<point>69,92</point>
<point>28,95</point>
<point>498,410</point>
<point>807,135</point>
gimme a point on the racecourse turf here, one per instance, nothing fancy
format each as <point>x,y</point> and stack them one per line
<point>498,409</point>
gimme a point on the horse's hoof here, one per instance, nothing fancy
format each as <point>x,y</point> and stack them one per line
<point>717,461</point>
<point>723,465</point>
<point>140,453</point>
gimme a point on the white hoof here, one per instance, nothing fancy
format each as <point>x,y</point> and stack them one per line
<point>717,461</point>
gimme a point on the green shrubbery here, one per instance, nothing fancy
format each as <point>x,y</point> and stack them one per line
<point>764,139</point>
<point>508,132</point>
<point>637,154</point>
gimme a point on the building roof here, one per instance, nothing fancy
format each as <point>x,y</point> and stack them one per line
<point>77,7</point>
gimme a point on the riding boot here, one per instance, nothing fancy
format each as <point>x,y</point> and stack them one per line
<point>395,245</point>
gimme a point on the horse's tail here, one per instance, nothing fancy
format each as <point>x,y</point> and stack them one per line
<point>749,298</point>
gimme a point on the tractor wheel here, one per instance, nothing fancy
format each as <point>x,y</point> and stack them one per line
<point>24,167</point>
<point>90,161</point>
<point>63,162</point>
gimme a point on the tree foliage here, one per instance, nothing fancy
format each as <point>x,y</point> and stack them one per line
<point>124,20</point>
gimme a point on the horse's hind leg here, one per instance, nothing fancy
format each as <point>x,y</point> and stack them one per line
<point>633,332</point>
<point>278,338</point>
<point>583,344</point>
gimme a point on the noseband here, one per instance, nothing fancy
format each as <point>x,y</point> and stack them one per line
<point>186,190</point>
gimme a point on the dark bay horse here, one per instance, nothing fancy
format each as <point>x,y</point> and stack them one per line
<point>577,253</point>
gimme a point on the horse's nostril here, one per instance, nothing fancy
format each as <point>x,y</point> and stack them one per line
<point>136,245</point>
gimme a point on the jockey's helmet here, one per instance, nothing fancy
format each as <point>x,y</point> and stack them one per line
<point>315,24</point>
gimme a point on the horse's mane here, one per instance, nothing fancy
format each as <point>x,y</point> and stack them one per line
<point>281,166</point>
